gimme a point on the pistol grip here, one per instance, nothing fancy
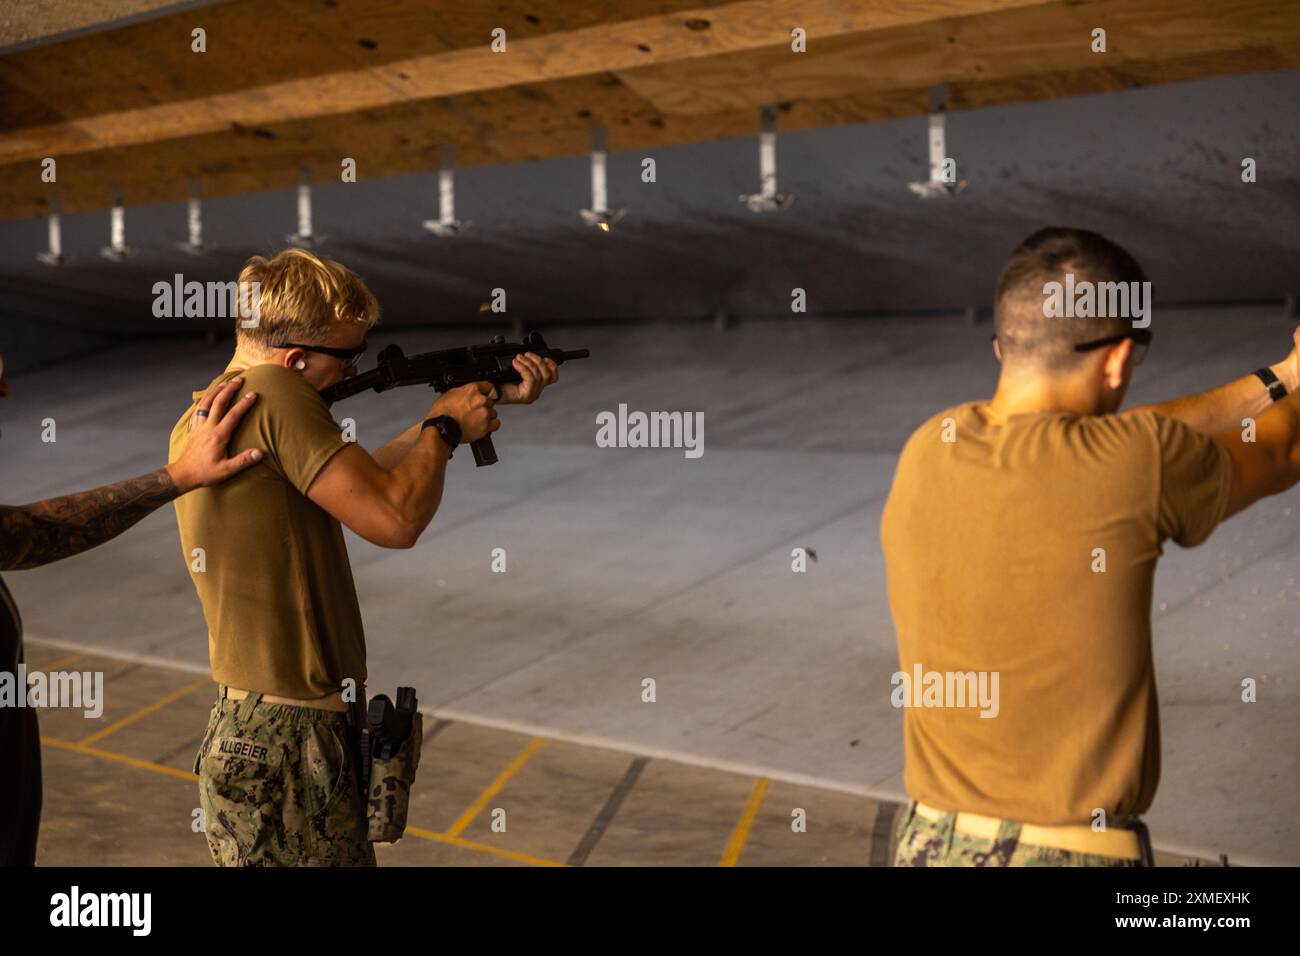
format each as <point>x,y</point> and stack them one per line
<point>484,452</point>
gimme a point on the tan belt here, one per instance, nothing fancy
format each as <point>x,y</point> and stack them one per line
<point>328,702</point>
<point>1119,843</point>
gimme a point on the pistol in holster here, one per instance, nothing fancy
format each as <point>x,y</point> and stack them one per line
<point>389,738</point>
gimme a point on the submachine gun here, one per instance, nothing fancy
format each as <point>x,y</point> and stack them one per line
<point>450,369</point>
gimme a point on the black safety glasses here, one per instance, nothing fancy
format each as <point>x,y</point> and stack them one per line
<point>350,357</point>
<point>1141,343</point>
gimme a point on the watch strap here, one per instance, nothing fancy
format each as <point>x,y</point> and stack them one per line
<point>447,427</point>
<point>1276,390</point>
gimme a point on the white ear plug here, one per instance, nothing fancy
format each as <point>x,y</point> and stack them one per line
<point>301,364</point>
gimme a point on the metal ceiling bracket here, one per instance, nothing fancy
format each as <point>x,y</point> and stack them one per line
<point>936,187</point>
<point>54,255</point>
<point>600,215</point>
<point>767,199</point>
<point>194,223</point>
<point>117,249</point>
<point>446,224</point>
<point>304,237</point>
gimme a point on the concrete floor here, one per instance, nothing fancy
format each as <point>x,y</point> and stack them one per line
<point>634,564</point>
<point>119,791</point>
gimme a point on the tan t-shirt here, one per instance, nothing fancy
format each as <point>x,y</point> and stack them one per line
<point>277,587</point>
<point>994,543</point>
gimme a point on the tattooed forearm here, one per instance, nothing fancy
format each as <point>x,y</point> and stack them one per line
<point>36,534</point>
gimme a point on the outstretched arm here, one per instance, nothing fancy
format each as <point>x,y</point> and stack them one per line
<point>36,534</point>
<point>1270,464</point>
<point>1222,409</point>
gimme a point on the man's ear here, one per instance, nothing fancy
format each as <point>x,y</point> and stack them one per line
<point>295,359</point>
<point>997,349</point>
<point>1116,358</point>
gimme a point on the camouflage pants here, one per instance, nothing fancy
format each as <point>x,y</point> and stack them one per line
<point>278,787</point>
<point>923,842</point>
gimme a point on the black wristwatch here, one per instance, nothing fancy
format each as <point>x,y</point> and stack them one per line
<point>1276,390</point>
<point>447,427</point>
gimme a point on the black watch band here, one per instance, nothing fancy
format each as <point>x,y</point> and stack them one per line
<point>447,427</point>
<point>1276,390</point>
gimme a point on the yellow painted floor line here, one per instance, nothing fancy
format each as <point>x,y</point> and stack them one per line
<point>481,847</point>
<point>145,711</point>
<point>494,787</point>
<point>62,662</point>
<point>739,835</point>
<point>190,778</point>
<point>120,758</point>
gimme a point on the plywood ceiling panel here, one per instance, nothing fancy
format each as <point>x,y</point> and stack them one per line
<point>388,82</point>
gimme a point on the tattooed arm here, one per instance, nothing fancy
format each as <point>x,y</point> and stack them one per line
<point>36,534</point>
<point>32,535</point>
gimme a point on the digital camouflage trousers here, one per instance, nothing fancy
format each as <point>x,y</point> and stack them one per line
<point>278,787</point>
<point>923,842</point>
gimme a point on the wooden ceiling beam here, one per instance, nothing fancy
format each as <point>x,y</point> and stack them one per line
<point>985,48</point>
<point>622,45</point>
<point>1010,55</point>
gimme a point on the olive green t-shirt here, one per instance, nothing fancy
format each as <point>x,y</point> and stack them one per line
<point>275,585</point>
<point>1027,547</point>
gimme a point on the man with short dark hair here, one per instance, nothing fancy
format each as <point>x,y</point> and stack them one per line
<point>1021,536</point>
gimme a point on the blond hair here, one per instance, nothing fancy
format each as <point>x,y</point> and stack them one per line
<point>296,296</point>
